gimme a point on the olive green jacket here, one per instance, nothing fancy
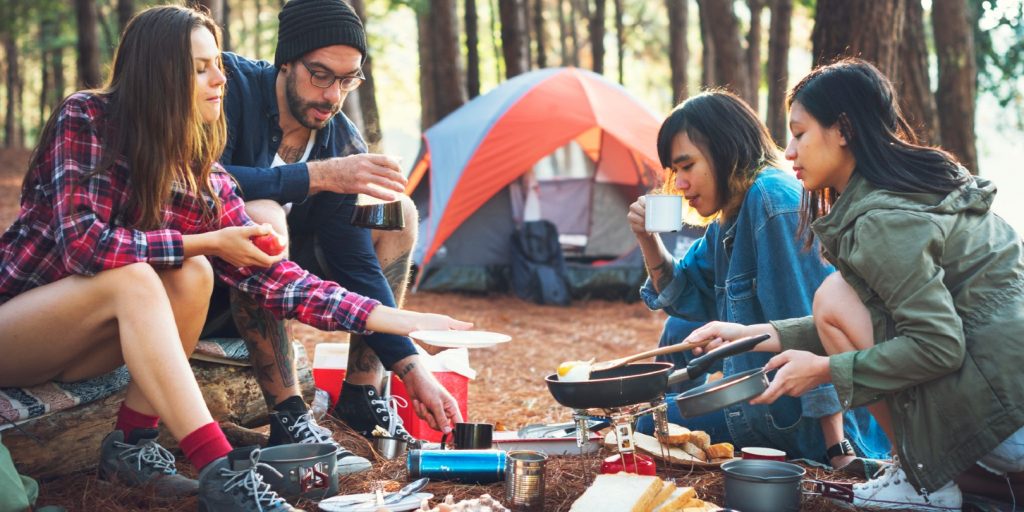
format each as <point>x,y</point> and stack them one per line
<point>943,278</point>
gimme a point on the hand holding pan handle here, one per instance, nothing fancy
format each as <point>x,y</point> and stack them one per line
<point>698,366</point>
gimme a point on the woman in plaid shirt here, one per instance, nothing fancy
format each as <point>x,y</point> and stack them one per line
<point>125,220</point>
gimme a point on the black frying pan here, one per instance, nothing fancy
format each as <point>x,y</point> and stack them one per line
<point>637,382</point>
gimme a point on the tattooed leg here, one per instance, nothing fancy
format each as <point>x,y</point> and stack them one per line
<point>270,348</point>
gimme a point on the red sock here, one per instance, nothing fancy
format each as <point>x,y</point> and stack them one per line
<point>205,445</point>
<point>129,419</point>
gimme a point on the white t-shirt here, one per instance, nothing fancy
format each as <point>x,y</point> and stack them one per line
<point>278,161</point>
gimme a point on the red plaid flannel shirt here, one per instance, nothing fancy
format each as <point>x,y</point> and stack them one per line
<point>71,224</point>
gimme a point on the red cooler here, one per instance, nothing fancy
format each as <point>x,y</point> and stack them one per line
<point>455,383</point>
<point>330,361</point>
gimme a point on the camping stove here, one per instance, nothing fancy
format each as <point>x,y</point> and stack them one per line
<point>622,420</point>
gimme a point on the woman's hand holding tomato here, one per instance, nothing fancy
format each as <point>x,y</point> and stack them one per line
<point>239,246</point>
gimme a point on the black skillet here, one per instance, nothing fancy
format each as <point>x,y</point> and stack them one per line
<point>637,382</point>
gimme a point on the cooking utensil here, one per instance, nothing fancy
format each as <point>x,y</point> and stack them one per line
<point>637,382</point>
<point>615,363</point>
<point>410,488</point>
<point>722,393</point>
<point>762,485</point>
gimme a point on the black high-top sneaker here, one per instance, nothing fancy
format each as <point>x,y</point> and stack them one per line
<point>363,409</point>
<point>140,461</point>
<point>231,483</point>
<point>293,423</point>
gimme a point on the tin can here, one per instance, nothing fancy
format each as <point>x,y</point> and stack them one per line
<point>466,466</point>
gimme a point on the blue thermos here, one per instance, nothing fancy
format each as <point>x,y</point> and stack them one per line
<point>466,466</point>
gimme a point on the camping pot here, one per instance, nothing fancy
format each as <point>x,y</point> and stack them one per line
<point>722,393</point>
<point>762,485</point>
<point>306,470</point>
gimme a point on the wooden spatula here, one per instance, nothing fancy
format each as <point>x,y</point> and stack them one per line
<point>615,363</point>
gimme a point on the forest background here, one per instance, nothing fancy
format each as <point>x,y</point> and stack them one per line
<point>958,64</point>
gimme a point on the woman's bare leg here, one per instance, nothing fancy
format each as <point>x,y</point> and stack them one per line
<point>81,327</point>
<point>844,325</point>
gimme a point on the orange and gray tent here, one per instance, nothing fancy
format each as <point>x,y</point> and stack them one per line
<point>469,159</point>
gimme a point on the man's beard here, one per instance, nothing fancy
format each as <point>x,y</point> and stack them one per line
<point>298,107</point>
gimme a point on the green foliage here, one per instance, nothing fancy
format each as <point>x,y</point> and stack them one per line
<point>999,50</point>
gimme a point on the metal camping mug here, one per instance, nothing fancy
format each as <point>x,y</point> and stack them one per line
<point>466,466</point>
<point>524,480</point>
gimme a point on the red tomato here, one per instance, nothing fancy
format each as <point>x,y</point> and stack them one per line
<point>269,244</point>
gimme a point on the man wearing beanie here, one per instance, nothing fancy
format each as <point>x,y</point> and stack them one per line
<point>300,163</point>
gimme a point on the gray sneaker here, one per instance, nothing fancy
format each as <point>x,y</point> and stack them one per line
<point>287,427</point>
<point>232,484</point>
<point>140,461</point>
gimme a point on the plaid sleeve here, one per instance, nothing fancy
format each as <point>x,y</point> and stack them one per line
<point>286,289</point>
<point>84,203</point>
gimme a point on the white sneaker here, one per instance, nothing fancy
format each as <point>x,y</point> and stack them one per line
<point>889,489</point>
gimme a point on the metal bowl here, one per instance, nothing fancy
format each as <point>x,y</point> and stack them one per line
<point>722,393</point>
<point>762,485</point>
<point>306,470</point>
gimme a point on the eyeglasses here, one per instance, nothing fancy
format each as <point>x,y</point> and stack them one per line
<point>325,80</point>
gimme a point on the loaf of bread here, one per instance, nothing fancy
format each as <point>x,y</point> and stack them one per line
<point>624,492</point>
<point>677,435</point>
<point>720,451</point>
<point>677,500</point>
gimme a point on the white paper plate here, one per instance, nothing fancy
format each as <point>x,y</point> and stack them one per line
<point>460,339</point>
<point>364,503</point>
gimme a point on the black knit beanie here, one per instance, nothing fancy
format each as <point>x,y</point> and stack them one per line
<point>306,25</point>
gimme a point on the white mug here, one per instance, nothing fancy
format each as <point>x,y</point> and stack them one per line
<point>663,213</point>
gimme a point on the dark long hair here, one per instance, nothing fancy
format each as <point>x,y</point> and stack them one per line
<point>855,94</point>
<point>152,120</point>
<point>729,134</point>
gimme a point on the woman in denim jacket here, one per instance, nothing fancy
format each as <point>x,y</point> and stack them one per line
<point>748,268</point>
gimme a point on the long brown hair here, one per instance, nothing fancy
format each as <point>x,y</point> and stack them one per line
<point>855,94</point>
<point>153,122</point>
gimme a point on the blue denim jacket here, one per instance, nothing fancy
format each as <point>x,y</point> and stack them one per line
<point>749,270</point>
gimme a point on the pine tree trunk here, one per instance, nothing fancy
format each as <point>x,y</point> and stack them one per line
<point>13,132</point>
<point>955,95</point>
<point>496,42</point>
<point>88,45</point>
<point>597,36</point>
<point>527,33</point>
<point>472,50</point>
<point>707,52</point>
<point>871,31</point>
<point>620,42</point>
<point>448,72</point>
<point>913,87</point>
<point>513,43</point>
<point>678,50</point>
<point>778,68</point>
<point>368,94</point>
<point>563,33</point>
<point>722,26</point>
<point>573,36</point>
<point>427,96</point>
<point>125,11</point>
<point>538,29</point>
<point>754,54</point>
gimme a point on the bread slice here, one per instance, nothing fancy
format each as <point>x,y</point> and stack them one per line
<point>677,435</point>
<point>695,451</point>
<point>701,439</point>
<point>720,451</point>
<point>620,492</point>
<point>677,500</point>
<point>666,490</point>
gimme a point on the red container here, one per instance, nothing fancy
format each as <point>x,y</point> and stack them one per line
<point>630,463</point>
<point>456,384</point>
<point>330,380</point>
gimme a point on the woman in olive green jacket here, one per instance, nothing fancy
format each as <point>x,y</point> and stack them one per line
<point>924,320</point>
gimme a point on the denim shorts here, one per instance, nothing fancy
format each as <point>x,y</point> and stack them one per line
<point>1008,457</point>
